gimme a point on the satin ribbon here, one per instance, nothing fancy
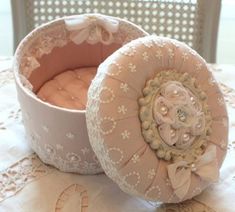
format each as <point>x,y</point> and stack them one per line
<point>205,167</point>
<point>92,28</point>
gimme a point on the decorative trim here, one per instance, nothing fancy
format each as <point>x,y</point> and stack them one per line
<point>150,126</point>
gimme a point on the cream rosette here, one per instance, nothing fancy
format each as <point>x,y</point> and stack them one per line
<point>176,110</point>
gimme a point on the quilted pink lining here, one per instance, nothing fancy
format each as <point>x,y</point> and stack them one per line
<point>68,89</point>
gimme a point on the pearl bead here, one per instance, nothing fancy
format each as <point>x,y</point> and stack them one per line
<point>182,118</point>
<point>193,167</point>
<point>192,100</point>
<point>73,158</point>
<point>164,110</point>
<point>186,137</point>
<point>172,133</point>
<point>72,97</point>
<point>175,92</point>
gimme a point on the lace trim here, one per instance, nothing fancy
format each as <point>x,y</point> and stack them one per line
<point>72,162</point>
<point>43,40</point>
<point>17,176</point>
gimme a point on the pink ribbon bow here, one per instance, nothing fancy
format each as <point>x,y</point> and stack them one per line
<point>205,167</point>
<point>92,28</point>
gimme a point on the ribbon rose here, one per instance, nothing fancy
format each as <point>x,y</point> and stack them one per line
<point>92,28</point>
<point>205,167</point>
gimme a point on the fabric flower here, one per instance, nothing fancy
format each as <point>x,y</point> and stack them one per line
<point>185,116</point>
<point>161,111</point>
<point>169,135</point>
<point>174,92</point>
<point>199,125</point>
<point>178,115</point>
<point>185,138</point>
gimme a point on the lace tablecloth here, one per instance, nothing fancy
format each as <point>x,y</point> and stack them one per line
<point>26,184</point>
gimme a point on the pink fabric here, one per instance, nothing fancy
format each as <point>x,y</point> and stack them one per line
<point>68,89</point>
<point>71,56</point>
<point>113,116</point>
<point>59,134</point>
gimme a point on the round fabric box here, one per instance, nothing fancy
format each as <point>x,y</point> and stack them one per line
<point>53,68</point>
<point>157,120</point>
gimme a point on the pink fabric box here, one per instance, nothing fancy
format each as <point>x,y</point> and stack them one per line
<point>59,135</point>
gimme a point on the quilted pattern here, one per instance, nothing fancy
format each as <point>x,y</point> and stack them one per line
<point>68,89</point>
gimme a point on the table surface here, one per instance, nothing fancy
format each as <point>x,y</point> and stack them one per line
<point>26,184</point>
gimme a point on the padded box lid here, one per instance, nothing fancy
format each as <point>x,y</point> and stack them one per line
<point>156,119</point>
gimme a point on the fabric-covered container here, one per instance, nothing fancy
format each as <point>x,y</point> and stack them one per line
<point>157,120</point>
<point>53,68</point>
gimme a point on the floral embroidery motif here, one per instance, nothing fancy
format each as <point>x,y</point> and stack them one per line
<point>85,151</point>
<point>185,56</point>
<point>175,109</point>
<point>221,101</point>
<point>148,43</point>
<point>135,158</point>
<point>159,54</point>
<point>73,157</point>
<point>145,56</point>
<point>125,135</point>
<point>124,87</point>
<point>49,149</point>
<point>160,43</point>
<point>170,53</point>
<point>70,135</point>
<point>128,51</point>
<point>151,173</point>
<point>122,109</point>
<point>132,67</point>
<point>198,66</point>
